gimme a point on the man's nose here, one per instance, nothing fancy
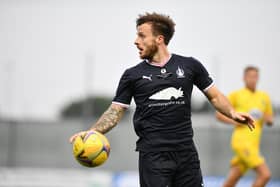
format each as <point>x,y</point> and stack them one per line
<point>136,41</point>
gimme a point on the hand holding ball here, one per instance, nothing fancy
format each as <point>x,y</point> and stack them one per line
<point>91,149</point>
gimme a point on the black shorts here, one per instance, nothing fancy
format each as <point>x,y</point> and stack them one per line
<point>170,169</point>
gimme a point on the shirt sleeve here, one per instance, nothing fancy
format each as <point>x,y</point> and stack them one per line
<point>124,91</point>
<point>202,79</point>
<point>268,109</point>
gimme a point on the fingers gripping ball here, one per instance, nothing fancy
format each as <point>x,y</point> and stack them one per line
<point>91,149</point>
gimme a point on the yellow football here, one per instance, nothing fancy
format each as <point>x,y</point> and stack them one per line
<point>92,149</point>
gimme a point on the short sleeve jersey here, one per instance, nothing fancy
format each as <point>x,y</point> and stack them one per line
<point>162,119</point>
<point>257,104</point>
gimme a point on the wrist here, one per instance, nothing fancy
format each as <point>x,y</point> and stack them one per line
<point>232,114</point>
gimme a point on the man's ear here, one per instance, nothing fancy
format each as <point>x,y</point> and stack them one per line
<point>160,39</point>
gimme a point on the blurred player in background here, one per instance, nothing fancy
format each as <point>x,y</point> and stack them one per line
<point>161,86</point>
<point>246,144</point>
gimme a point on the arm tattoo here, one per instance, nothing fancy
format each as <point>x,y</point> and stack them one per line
<point>109,119</point>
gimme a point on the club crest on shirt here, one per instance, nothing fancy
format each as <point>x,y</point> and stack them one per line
<point>163,71</point>
<point>180,73</point>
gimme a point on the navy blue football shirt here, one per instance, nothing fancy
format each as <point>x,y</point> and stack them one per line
<point>162,119</point>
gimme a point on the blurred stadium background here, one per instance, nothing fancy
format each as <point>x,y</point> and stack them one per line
<point>60,62</point>
<point>36,153</point>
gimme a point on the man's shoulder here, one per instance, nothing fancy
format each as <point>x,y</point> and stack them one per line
<point>237,93</point>
<point>240,90</point>
<point>190,61</point>
<point>243,91</point>
<point>263,93</point>
<point>184,58</point>
<point>135,68</point>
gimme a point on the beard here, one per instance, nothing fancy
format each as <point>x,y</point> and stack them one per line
<point>150,52</point>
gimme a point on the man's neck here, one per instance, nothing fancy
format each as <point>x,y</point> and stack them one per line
<point>251,89</point>
<point>161,58</point>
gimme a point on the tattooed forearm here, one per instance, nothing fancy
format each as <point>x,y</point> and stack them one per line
<point>109,119</point>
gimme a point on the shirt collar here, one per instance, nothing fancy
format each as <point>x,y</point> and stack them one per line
<point>158,65</point>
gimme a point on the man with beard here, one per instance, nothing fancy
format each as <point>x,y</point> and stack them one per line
<point>161,86</point>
